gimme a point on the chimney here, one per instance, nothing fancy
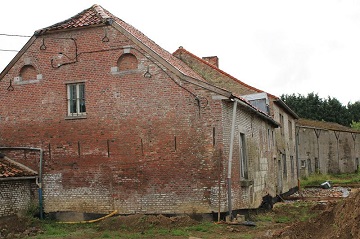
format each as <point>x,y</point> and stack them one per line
<point>213,60</point>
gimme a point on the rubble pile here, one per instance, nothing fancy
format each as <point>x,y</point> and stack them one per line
<point>334,192</point>
<point>340,219</point>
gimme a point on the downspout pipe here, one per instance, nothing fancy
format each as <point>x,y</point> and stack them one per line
<point>297,132</point>
<point>39,179</point>
<point>232,134</point>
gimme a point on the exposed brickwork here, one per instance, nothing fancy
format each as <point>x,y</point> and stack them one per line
<point>213,60</point>
<point>259,149</point>
<point>16,196</point>
<point>28,73</point>
<point>285,145</point>
<point>146,144</point>
<point>150,142</point>
<point>127,62</point>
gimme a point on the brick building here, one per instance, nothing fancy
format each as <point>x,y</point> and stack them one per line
<point>18,188</point>
<point>285,171</point>
<point>125,125</point>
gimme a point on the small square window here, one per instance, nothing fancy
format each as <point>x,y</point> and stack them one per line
<point>76,99</point>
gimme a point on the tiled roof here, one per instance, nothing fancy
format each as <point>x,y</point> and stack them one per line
<point>236,81</point>
<point>182,50</point>
<point>9,169</point>
<point>325,125</point>
<point>92,16</point>
<point>96,15</point>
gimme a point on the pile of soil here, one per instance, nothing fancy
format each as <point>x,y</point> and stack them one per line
<point>140,222</point>
<point>340,219</point>
<point>18,227</point>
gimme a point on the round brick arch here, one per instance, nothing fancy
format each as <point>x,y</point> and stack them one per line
<point>127,61</point>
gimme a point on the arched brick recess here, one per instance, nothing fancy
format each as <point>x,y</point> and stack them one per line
<point>28,72</point>
<point>127,61</point>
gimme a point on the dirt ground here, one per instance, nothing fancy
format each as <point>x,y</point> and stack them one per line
<point>335,219</point>
<point>340,219</point>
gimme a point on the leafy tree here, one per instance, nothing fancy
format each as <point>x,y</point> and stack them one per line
<point>354,111</point>
<point>316,108</point>
<point>355,125</point>
<point>334,111</point>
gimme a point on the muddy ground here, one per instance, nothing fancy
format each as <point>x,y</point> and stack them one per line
<point>335,219</point>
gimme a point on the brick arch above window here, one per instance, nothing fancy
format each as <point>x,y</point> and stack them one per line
<point>28,72</point>
<point>127,61</point>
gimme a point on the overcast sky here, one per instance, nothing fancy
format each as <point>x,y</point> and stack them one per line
<point>281,47</point>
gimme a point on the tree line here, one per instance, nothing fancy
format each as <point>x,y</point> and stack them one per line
<point>324,109</point>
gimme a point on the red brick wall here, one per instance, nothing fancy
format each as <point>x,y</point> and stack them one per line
<point>146,144</point>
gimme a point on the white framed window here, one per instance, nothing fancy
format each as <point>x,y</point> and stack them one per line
<point>76,99</point>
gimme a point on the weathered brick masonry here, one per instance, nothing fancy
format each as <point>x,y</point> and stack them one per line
<point>140,139</point>
<point>16,196</point>
<point>155,136</point>
<point>282,163</point>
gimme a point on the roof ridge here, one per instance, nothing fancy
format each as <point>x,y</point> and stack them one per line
<point>222,72</point>
<point>101,11</point>
<point>325,125</point>
<point>166,55</point>
<point>94,15</point>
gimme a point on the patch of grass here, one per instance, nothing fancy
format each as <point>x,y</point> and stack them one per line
<point>267,217</point>
<point>106,235</point>
<point>179,232</point>
<point>282,213</point>
<point>246,236</point>
<point>52,229</point>
<point>282,219</point>
<point>317,179</point>
<point>203,227</point>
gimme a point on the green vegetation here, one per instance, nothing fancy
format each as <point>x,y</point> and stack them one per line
<point>355,125</point>
<point>52,229</point>
<point>287,213</point>
<point>329,110</point>
<point>55,230</point>
<point>282,214</point>
<point>340,179</point>
<point>282,219</point>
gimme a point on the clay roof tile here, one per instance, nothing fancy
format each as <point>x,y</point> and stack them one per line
<point>9,169</point>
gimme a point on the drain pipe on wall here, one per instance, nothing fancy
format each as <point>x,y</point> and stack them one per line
<point>230,158</point>
<point>39,179</point>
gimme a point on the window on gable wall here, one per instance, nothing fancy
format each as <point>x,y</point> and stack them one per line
<point>243,157</point>
<point>292,165</point>
<point>290,129</point>
<point>269,139</point>
<point>281,124</point>
<point>76,99</point>
<point>284,165</point>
